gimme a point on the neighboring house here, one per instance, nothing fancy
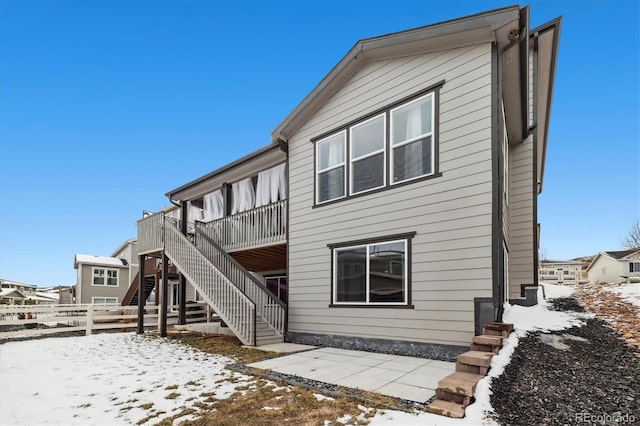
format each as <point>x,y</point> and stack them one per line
<point>102,280</point>
<point>64,294</point>
<point>396,206</point>
<point>615,267</point>
<point>560,271</point>
<point>15,293</point>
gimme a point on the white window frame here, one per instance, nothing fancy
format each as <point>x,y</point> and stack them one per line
<point>106,276</point>
<point>343,164</point>
<point>405,283</point>
<point>199,297</point>
<point>370,154</point>
<point>431,134</point>
<point>114,299</point>
<point>634,266</point>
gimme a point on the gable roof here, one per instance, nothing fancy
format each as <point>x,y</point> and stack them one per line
<point>97,260</point>
<point>621,254</point>
<point>617,255</point>
<point>450,34</point>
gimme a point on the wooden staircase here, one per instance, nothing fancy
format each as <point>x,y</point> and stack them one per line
<point>455,392</point>
<point>131,297</point>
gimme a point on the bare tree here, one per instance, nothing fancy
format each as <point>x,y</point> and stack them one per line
<point>632,240</point>
<point>542,253</point>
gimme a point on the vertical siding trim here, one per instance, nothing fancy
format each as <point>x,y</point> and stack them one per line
<point>496,207</point>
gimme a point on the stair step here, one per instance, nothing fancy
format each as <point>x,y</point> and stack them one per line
<point>269,341</point>
<point>478,358</point>
<point>484,348</point>
<point>460,383</point>
<point>446,408</point>
<point>488,340</point>
<point>500,326</point>
<point>453,397</point>
<point>473,369</point>
<point>498,333</point>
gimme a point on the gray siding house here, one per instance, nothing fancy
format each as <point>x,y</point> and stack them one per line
<point>395,207</point>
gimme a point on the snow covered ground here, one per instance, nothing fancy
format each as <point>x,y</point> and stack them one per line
<point>627,292</point>
<point>107,379</point>
<point>113,379</point>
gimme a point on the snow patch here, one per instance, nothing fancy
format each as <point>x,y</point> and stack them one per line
<point>321,397</point>
<point>627,292</point>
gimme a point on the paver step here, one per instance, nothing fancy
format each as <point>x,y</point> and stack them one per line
<point>453,397</point>
<point>484,348</point>
<point>460,383</point>
<point>502,326</point>
<point>478,358</point>
<point>474,369</point>
<point>484,339</point>
<point>446,408</point>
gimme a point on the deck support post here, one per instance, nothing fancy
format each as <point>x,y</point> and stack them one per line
<point>182,296</point>
<point>141,301</point>
<point>165,296</point>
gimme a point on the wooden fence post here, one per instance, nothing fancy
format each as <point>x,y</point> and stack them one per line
<point>89,319</point>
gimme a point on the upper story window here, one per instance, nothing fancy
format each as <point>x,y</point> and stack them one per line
<point>103,276</point>
<point>330,155</point>
<point>412,139</point>
<point>368,155</point>
<point>394,145</point>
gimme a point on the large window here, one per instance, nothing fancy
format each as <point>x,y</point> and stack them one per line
<point>634,266</point>
<point>330,156</point>
<point>394,145</point>
<point>373,273</point>
<point>412,139</point>
<point>106,277</point>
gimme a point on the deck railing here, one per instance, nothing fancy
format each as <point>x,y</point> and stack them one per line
<point>231,304</point>
<point>262,226</point>
<point>150,233</point>
<point>268,305</point>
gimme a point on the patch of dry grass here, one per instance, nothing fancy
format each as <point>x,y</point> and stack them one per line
<point>266,405</point>
<point>221,345</point>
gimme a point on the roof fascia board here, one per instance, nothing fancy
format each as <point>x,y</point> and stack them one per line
<point>553,25</point>
<point>247,158</point>
<point>352,61</point>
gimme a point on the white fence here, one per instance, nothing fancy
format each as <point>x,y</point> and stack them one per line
<point>32,320</point>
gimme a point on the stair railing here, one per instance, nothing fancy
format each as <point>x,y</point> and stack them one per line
<point>268,305</point>
<point>231,304</point>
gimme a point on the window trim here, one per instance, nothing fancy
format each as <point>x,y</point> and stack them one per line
<point>106,276</point>
<point>328,169</point>
<point>432,90</point>
<point>406,238</point>
<point>431,135</point>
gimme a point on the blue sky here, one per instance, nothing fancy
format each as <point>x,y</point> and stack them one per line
<point>105,105</point>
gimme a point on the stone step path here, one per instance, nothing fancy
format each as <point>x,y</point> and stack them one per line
<point>455,392</point>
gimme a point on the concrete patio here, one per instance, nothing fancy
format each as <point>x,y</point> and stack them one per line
<point>413,379</point>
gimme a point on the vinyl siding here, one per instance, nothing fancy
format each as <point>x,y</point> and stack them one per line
<point>521,232</point>
<point>451,214</point>
<point>88,290</point>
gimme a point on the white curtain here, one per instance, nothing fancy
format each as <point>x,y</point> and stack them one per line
<point>244,197</point>
<point>413,151</point>
<point>272,185</point>
<point>213,206</point>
